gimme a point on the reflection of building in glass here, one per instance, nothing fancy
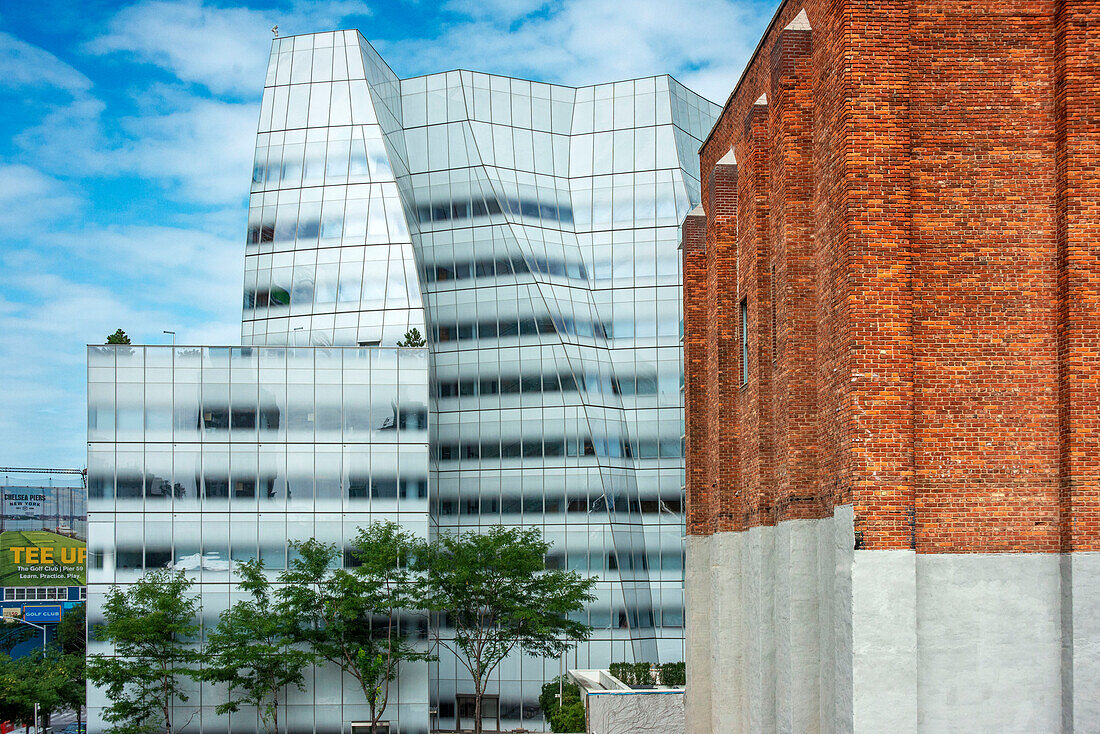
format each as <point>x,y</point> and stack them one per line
<point>530,232</point>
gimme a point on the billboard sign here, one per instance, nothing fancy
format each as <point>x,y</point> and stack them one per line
<point>24,502</point>
<point>41,558</point>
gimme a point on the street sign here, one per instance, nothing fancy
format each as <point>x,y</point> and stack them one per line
<point>36,613</point>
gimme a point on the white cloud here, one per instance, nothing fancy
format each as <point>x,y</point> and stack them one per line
<point>25,65</point>
<point>42,350</point>
<point>503,10</point>
<point>79,123</point>
<point>195,274</point>
<point>224,49</point>
<point>198,149</point>
<point>143,279</point>
<point>704,43</point>
<point>202,151</point>
<point>28,197</point>
<point>43,353</point>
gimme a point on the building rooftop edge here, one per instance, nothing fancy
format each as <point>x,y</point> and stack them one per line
<point>744,72</point>
<point>502,76</point>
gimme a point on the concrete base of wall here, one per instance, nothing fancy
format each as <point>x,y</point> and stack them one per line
<point>1080,664</point>
<point>769,628</point>
<point>636,713</point>
<point>791,630</point>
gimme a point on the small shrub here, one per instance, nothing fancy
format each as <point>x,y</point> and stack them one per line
<point>622,671</point>
<point>568,718</point>
<point>673,674</point>
<point>562,717</point>
<point>632,674</point>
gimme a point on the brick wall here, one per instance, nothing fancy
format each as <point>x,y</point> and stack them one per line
<point>914,218</point>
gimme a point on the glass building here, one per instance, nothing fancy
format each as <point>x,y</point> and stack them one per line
<point>529,231</point>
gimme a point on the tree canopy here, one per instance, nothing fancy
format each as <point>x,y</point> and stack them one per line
<point>71,632</point>
<point>384,553</point>
<point>119,337</point>
<point>356,609</point>
<point>152,625</point>
<point>252,649</point>
<point>350,617</point>
<point>48,678</point>
<point>497,595</point>
<point>412,338</point>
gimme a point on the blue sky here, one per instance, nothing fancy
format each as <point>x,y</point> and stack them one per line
<point>126,153</point>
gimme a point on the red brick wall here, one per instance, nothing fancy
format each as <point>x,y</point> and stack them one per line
<point>985,278</point>
<point>1077,233</point>
<point>722,347</point>
<point>792,328</point>
<point>756,457</point>
<point>917,230</point>
<point>696,379</point>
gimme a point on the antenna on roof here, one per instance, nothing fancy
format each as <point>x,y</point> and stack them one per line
<point>275,31</point>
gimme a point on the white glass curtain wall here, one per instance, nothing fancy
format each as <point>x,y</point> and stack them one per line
<point>199,457</point>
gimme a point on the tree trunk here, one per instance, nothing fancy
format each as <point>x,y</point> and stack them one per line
<point>274,713</point>
<point>79,720</point>
<point>477,707</point>
<point>167,706</point>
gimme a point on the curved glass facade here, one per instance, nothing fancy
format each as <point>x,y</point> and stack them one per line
<point>529,231</point>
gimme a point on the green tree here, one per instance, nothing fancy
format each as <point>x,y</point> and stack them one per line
<point>252,649</point>
<point>349,617</point>
<point>72,641</point>
<point>48,679</point>
<point>71,632</point>
<point>384,552</point>
<point>119,337</point>
<point>412,339</point>
<point>497,594</point>
<point>72,691</point>
<point>568,718</point>
<point>151,624</point>
<point>561,705</point>
<point>17,695</point>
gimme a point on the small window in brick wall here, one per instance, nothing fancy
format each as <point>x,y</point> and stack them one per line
<point>745,341</point>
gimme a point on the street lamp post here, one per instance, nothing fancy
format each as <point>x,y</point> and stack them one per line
<point>13,620</point>
<point>173,336</point>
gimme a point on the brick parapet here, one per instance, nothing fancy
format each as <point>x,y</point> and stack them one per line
<point>793,290</point>
<point>723,348</point>
<point>754,404</point>
<point>697,460</point>
<point>1077,169</point>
